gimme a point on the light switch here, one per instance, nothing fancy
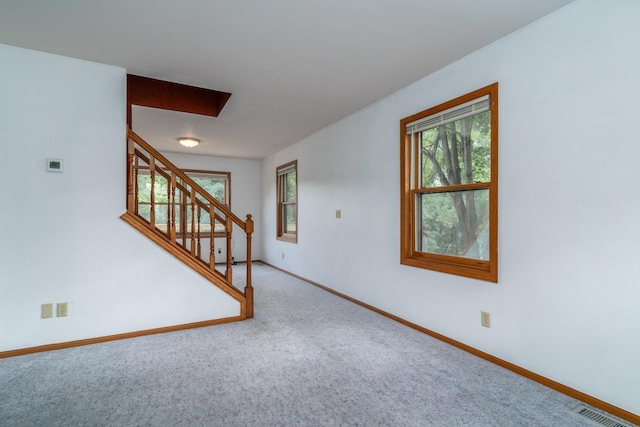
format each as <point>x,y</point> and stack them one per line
<point>55,165</point>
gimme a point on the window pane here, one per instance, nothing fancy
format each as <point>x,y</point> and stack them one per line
<point>143,211</point>
<point>457,153</point>
<point>161,216</point>
<point>160,188</point>
<point>213,185</point>
<point>289,218</point>
<point>290,187</point>
<point>454,223</point>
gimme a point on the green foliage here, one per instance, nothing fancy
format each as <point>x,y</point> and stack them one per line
<point>452,154</point>
<point>290,187</point>
<point>214,185</point>
<point>457,152</point>
<point>290,184</point>
<point>442,231</point>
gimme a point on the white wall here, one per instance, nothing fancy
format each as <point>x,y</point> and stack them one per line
<point>245,197</point>
<point>62,239</point>
<point>566,305</point>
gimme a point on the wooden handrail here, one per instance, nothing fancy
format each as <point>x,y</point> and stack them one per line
<point>159,157</point>
<point>193,202</point>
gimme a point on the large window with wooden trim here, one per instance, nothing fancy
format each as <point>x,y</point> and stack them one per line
<point>449,183</point>
<point>215,183</point>
<point>287,215</point>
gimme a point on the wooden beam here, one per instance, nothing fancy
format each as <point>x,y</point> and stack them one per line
<point>148,92</point>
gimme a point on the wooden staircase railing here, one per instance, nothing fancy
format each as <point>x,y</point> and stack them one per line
<point>183,218</point>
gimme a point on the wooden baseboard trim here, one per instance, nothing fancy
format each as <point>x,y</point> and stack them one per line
<point>127,335</point>
<point>571,392</point>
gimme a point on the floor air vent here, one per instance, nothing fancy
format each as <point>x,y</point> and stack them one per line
<point>598,417</point>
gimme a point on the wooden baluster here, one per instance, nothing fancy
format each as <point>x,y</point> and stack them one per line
<point>212,253</point>
<point>131,205</point>
<point>183,219</point>
<point>168,232</point>
<point>248,290</point>
<point>152,196</point>
<point>193,221</point>
<point>172,204</point>
<point>199,250</point>
<point>229,271</point>
<point>136,200</point>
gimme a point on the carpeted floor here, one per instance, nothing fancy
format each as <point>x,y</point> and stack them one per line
<point>308,358</point>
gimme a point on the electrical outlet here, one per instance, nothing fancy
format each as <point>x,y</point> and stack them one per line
<point>46,311</point>
<point>282,255</point>
<point>485,319</point>
<point>62,309</point>
<point>338,213</point>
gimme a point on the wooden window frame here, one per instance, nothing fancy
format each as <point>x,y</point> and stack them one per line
<point>281,203</point>
<point>409,189</point>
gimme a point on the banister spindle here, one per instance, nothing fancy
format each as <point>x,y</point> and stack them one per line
<point>248,290</point>
<point>168,232</point>
<point>212,247</point>
<point>229,271</point>
<point>152,196</point>
<point>183,218</point>
<point>199,250</point>
<point>136,186</point>
<point>193,221</point>
<point>172,204</point>
<point>131,205</point>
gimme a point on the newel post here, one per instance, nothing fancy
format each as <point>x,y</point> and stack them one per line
<point>248,290</point>
<point>130,174</point>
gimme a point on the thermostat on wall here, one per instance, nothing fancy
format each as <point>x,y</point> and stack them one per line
<point>55,165</point>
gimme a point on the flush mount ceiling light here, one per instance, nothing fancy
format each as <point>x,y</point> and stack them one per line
<point>189,142</point>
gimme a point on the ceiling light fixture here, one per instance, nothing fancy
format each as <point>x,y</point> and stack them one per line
<point>189,142</point>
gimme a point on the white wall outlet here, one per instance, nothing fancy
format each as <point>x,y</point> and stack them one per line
<point>46,311</point>
<point>62,309</point>
<point>485,319</point>
<point>338,213</point>
<point>282,255</point>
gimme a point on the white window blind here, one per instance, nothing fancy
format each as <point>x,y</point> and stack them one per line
<point>286,170</point>
<point>458,112</point>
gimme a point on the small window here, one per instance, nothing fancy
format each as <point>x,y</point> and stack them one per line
<point>449,178</point>
<point>287,215</point>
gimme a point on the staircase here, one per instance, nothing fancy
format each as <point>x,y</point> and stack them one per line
<point>184,219</point>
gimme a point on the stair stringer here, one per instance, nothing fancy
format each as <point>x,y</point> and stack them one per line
<point>185,257</point>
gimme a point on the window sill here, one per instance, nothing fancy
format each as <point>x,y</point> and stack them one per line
<point>291,238</point>
<point>481,270</point>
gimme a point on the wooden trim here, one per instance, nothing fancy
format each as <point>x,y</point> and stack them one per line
<point>107,338</point>
<point>148,92</point>
<point>184,256</point>
<point>164,161</point>
<point>449,188</point>
<point>280,190</point>
<point>571,392</point>
<point>486,270</point>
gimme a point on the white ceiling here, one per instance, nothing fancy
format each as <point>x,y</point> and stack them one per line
<point>292,66</point>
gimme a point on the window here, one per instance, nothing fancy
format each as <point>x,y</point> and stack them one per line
<point>287,215</point>
<point>216,183</point>
<point>449,183</point>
